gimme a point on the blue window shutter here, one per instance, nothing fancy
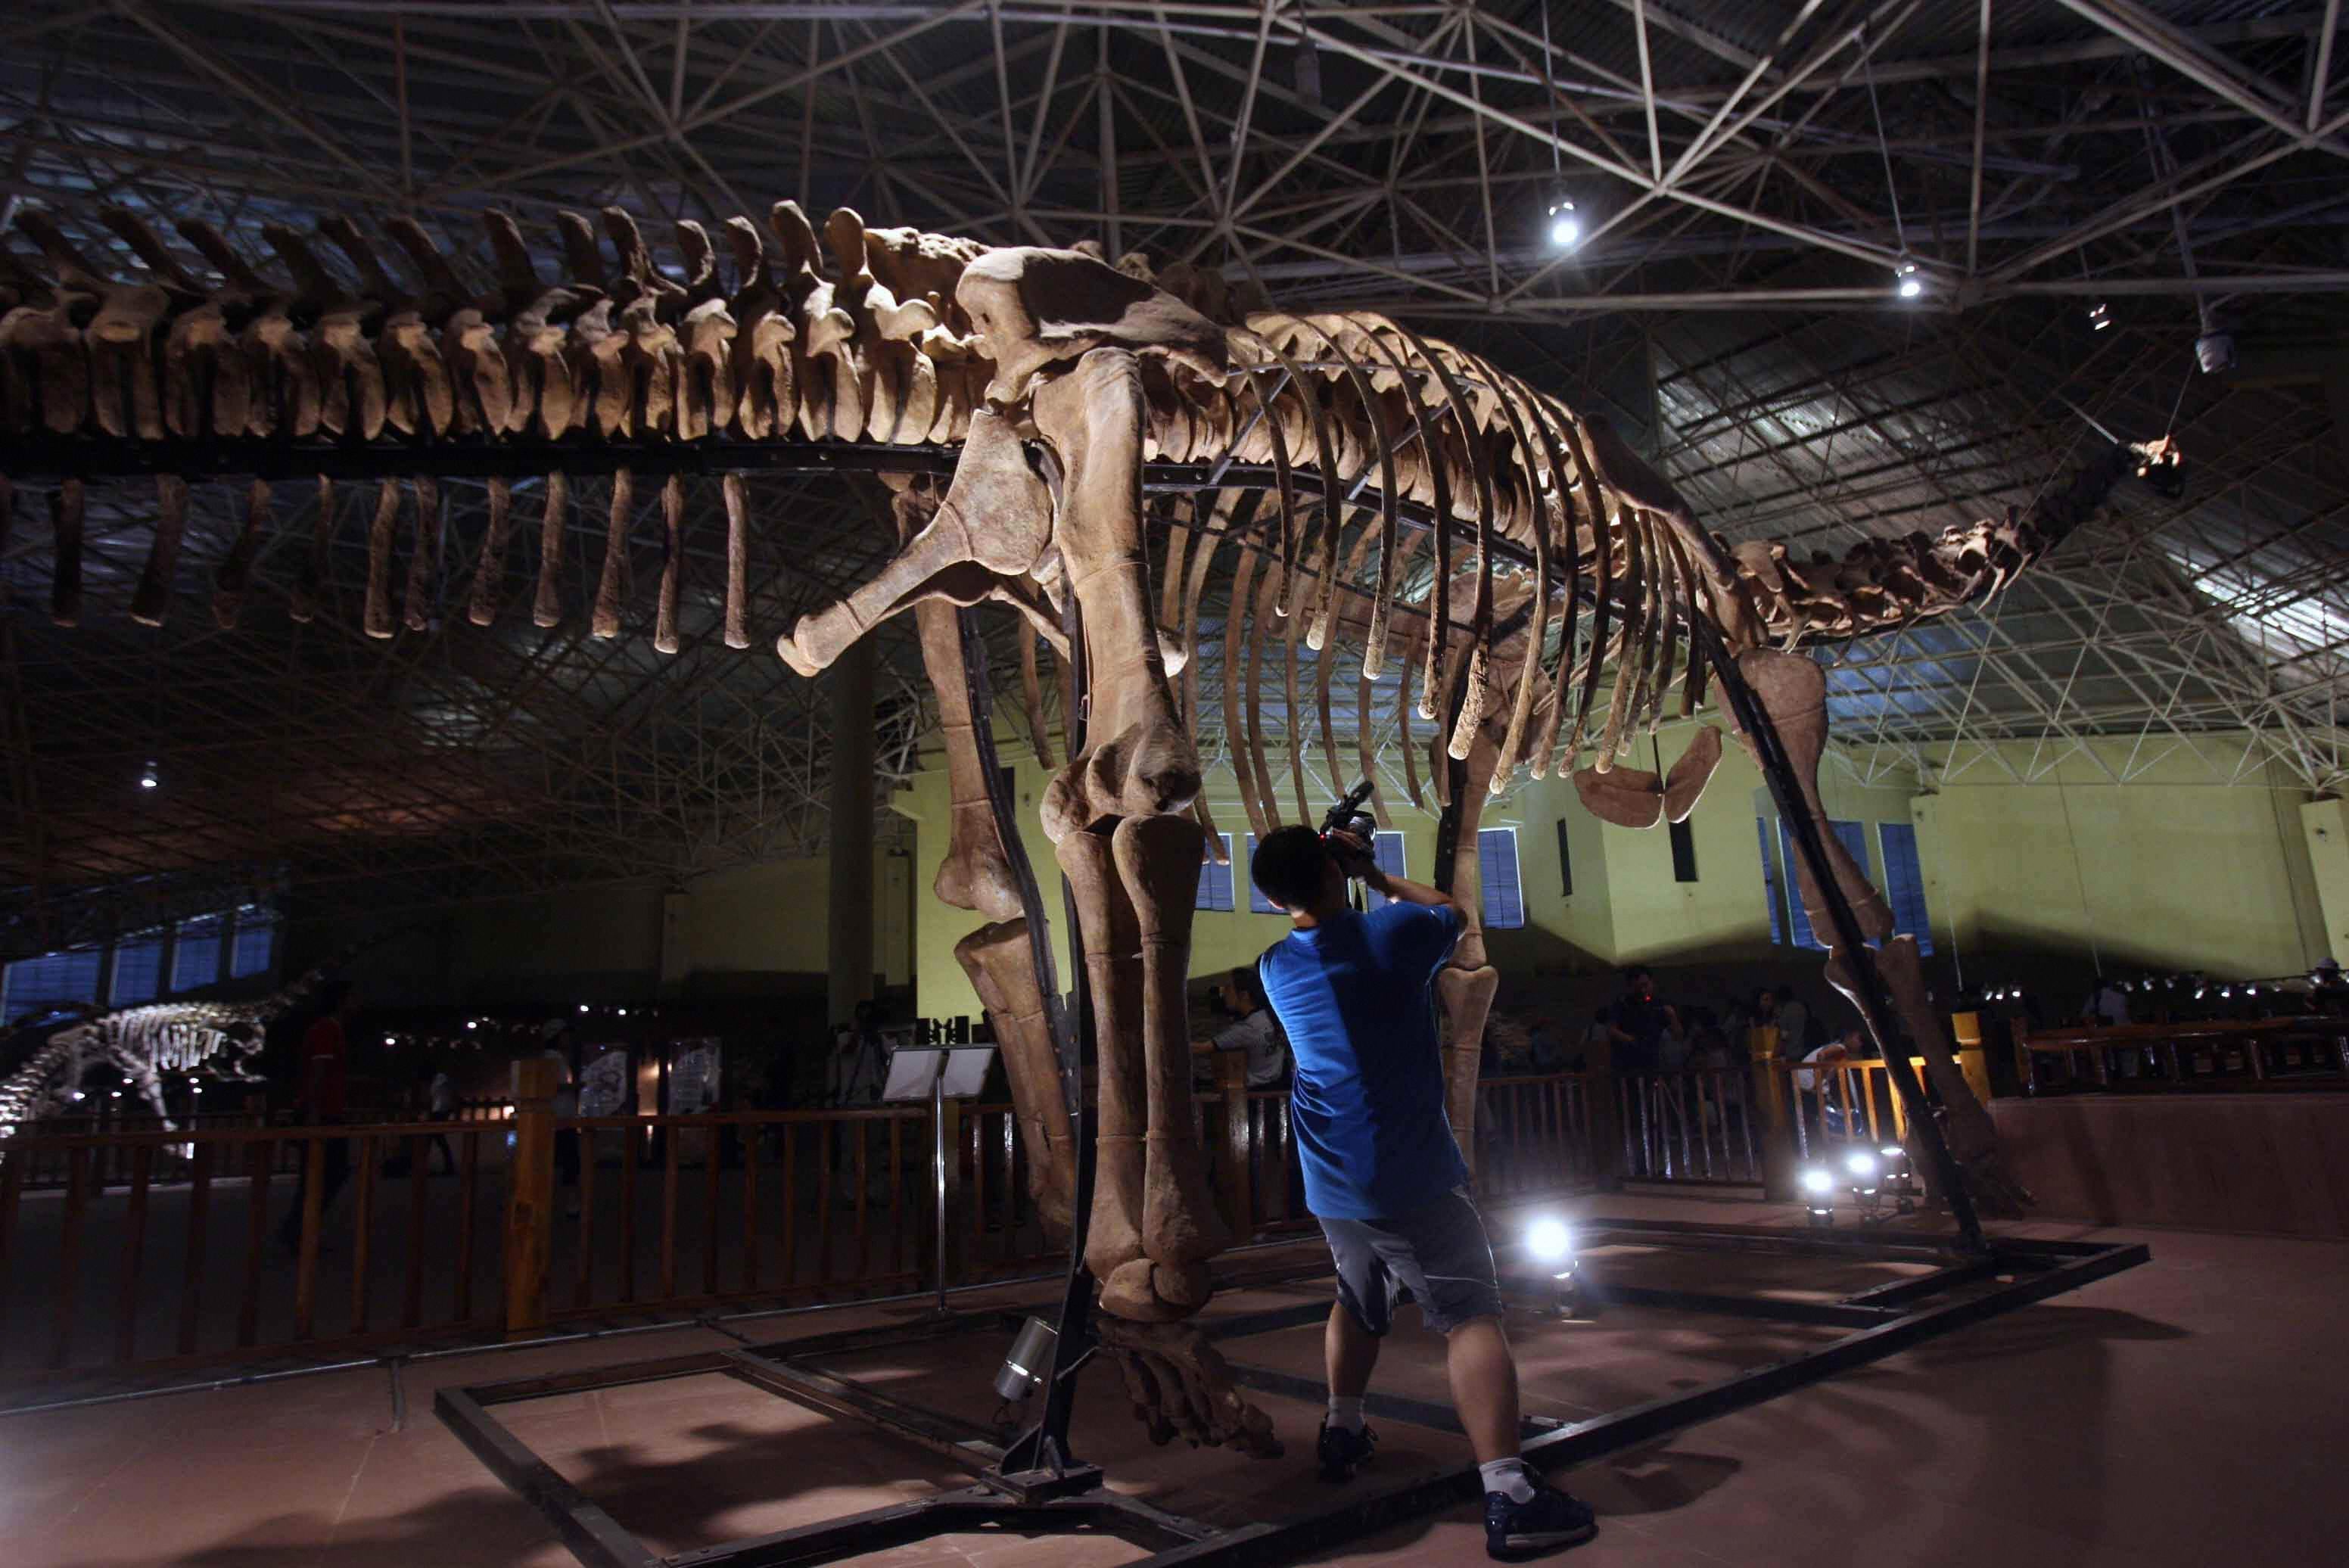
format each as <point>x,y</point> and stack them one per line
<point>1855,839</point>
<point>254,951</point>
<point>1215,880</point>
<point>1386,848</point>
<point>197,962</point>
<point>1904,882</point>
<point>138,972</point>
<point>37,984</point>
<point>1770,889</point>
<point>1496,868</point>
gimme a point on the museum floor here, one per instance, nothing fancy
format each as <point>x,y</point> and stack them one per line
<point>2187,1411</point>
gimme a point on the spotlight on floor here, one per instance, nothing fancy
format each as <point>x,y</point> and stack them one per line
<point>1900,1179</point>
<point>1862,1166</point>
<point>1548,1242</point>
<point>1023,1372</point>
<point>1818,1196</point>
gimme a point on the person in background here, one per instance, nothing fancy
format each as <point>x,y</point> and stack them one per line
<point>1602,1041</point>
<point>1547,1046</point>
<point>1382,1172</point>
<point>2108,1008</point>
<point>1641,1022</point>
<point>1794,1021</point>
<point>2327,991</point>
<point>440,1104</point>
<point>860,1061</point>
<point>561,1045</point>
<point>1253,1031</point>
<point>322,1098</point>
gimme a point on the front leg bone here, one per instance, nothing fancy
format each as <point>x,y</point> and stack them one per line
<point>1112,960</point>
<point>1158,861</point>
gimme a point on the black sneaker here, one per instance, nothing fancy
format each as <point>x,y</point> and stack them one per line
<point>1342,1452</point>
<point>1545,1522</point>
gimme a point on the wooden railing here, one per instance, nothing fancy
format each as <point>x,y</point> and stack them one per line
<point>158,1245</point>
<point>2208,1054</point>
<point>1695,1126</point>
<point>221,1240</point>
<point>1539,1133</point>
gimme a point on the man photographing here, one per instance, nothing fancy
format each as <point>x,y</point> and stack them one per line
<point>1382,1172</point>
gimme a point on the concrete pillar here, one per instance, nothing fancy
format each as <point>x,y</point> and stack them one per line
<point>849,944</point>
<point>2326,825</point>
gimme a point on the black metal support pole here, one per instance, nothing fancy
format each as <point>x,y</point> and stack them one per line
<point>1851,947</point>
<point>1044,1445</point>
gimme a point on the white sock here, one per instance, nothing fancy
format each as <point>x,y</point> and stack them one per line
<point>1508,1477</point>
<point>1345,1413</point>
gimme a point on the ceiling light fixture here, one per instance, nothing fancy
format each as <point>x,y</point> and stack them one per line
<point>1907,282</point>
<point>2100,316</point>
<point>147,777</point>
<point>1565,225</point>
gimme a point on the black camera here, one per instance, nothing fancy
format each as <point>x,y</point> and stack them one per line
<point>1347,816</point>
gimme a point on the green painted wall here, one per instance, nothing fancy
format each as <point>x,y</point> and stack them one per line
<point>2170,871</point>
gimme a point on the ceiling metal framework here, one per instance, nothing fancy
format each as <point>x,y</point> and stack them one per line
<point>1750,180</point>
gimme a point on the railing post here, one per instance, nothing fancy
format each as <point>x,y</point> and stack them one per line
<point>1239,1142</point>
<point>1772,1094</point>
<point>530,1199</point>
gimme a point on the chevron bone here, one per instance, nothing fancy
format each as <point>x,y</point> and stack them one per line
<point>1340,464</point>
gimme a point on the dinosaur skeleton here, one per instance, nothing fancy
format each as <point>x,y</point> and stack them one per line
<point>214,1039</point>
<point>1016,402</point>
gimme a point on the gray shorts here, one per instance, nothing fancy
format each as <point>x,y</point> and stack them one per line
<point>1436,1255</point>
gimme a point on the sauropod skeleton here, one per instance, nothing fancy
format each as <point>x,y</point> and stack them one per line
<point>1351,484</point>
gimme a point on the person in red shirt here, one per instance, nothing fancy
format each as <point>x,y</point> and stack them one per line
<point>322,1098</point>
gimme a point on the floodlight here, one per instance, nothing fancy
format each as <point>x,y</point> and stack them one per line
<point>1860,1164</point>
<point>1565,225</point>
<point>1549,1241</point>
<point>1023,1372</point>
<point>1907,283</point>
<point>1817,1183</point>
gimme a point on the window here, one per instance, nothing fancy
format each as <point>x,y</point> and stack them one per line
<point>1854,838</point>
<point>1386,848</point>
<point>138,971</point>
<point>33,985</point>
<point>254,951</point>
<point>1683,852</point>
<point>1770,887</point>
<point>1215,880</point>
<point>1565,863</point>
<point>1257,903</point>
<point>1496,868</point>
<point>198,961</point>
<point>1904,882</point>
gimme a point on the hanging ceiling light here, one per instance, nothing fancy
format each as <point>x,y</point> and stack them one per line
<point>2100,316</point>
<point>1564,224</point>
<point>148,779</point>
<point>1906,282</point>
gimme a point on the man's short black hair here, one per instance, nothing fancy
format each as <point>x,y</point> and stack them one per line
<point>1785,993</point>
<point>1635,971</point>
<point>1288,866</point>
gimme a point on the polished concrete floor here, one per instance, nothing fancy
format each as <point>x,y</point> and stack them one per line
<point>2187,1412</point>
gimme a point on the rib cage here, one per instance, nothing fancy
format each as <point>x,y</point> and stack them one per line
<point>1332,435</point>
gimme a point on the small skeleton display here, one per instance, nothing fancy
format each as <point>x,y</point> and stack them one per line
<point>1353,482</point>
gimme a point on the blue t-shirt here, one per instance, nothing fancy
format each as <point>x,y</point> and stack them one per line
<point>1354,994</point>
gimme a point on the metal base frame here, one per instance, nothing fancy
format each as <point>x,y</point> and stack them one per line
<point>1962,1288</point>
